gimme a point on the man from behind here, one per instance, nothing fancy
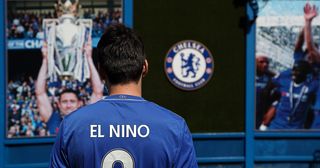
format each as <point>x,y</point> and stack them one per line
<point>123,130</point>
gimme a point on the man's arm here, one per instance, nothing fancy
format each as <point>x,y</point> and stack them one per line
<point>97,86</point>
<point>300,41</point>
<point>58,158</point>
<point>310,12</point>
<point>186,155</point>
<point>43,101</point>
<point>272,86</point>
<point>269,115</point>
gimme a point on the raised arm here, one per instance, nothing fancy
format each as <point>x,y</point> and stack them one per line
<point>310,12</point>
<point>43,102</point>
<point>300,41</point>
<point>97,86</point>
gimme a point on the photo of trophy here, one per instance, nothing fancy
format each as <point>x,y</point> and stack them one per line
<point>50,69</point>
<point>66,37</point>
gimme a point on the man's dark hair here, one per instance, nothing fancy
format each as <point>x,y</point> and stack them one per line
<point>121,55</point>
<point>69,91</point>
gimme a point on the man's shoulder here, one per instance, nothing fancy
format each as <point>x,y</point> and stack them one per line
<point>147,109</point>
<point>284,75</point>
<point>160,110</point>
<point>55,116</point>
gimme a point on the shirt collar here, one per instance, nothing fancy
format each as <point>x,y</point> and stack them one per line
<point>123,97</point>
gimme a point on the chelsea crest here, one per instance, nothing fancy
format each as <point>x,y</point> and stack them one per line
<point>189,65</point>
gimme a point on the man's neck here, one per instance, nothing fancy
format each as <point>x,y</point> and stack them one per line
<point>132,88</point>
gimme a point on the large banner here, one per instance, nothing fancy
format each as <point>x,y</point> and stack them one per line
<point>287,65</point>
<point>25,44</point>
<point>34,43</point>
<point>36,104</point>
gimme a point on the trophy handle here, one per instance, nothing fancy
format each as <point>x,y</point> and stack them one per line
<point>49,27</point>
<point>82,70</point>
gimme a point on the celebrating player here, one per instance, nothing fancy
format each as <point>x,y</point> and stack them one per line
<point>296,99</point>
<point>123,129</point>
<point>297,92</point>
<point>69,99</point>
<point>310,12</point>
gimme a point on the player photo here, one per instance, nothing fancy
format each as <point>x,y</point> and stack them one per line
<point>50,66</point>
<point>287,55</point>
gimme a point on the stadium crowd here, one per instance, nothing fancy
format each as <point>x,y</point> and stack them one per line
<point>23,116</point>
<point>29,24</point>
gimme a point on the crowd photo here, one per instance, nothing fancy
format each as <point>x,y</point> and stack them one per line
<point>28,24</point>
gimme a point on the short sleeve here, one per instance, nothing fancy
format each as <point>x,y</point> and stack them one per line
<point>186,156</point>
<point>58,157</point>
<point>54,122</point>
<point>279,78</point>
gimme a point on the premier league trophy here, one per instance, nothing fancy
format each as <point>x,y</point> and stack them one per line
<point>66,38</point>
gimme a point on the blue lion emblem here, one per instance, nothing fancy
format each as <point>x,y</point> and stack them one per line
<point>189,65</point>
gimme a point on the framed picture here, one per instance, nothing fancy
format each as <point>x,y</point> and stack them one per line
<point>287,95</point>
<point>34,103</point>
